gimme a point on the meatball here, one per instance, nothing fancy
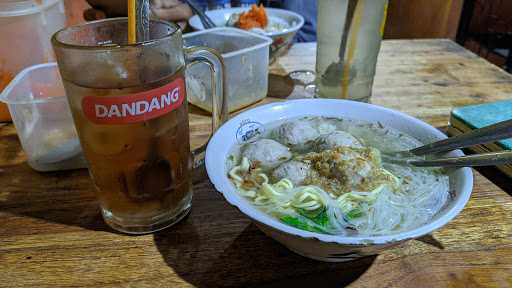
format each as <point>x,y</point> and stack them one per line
<point>295,171</point>
<point>324,126</point>
<point>298,134</point>
<point>337,139</point>
<point>344,169</point>
<point>266,153</point>
<point>353,171</point>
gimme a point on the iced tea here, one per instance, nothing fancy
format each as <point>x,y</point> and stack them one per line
<point>140,169</point>
<point>130,110</point>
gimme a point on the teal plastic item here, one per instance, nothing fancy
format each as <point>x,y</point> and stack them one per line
<point>478,116</point>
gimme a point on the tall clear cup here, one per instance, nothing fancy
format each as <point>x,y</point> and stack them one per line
<point>349,35</point>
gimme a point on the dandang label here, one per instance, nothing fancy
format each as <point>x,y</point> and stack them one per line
<point>133,108</point>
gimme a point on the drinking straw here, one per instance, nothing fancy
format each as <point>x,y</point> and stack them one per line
<point>132,22</point>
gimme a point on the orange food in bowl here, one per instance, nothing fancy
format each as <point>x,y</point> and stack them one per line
<point>254,18</point>
<point>5,78</point>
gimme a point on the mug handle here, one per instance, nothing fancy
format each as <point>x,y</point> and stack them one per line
<point>215,63</point>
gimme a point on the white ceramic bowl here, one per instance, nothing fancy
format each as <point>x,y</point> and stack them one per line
<point>281,40</point>
<point>315,245</point>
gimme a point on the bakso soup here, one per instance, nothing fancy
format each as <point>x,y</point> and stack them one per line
<point>327,175</point>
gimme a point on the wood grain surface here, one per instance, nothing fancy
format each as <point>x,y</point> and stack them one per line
<point>52,235</point>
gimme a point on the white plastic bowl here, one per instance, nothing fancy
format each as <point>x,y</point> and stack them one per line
<point>281,40</point>
<point>315,245</point>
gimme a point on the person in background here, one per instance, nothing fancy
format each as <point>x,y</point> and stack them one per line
<point>306,8</point>
<point>178,11</point>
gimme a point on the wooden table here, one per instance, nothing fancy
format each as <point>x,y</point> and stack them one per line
<point>51,232</point>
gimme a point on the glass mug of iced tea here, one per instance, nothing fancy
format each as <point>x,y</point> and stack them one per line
<point>130,110</point>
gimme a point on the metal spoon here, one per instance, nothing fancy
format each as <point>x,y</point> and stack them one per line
<point>143,10</point>
<point>486,159</point>
<point>334,70</point>
<point>491,133</point>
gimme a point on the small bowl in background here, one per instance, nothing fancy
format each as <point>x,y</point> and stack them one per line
<point>281,40</point>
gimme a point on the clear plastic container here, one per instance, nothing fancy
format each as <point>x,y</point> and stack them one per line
<point>26,27</point>
<point>40,112</point>
<point>246,58</point>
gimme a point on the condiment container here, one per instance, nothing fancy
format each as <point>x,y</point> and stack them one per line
<point>43,121</point>
<point>26,27</point>
<point>246,59</point>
